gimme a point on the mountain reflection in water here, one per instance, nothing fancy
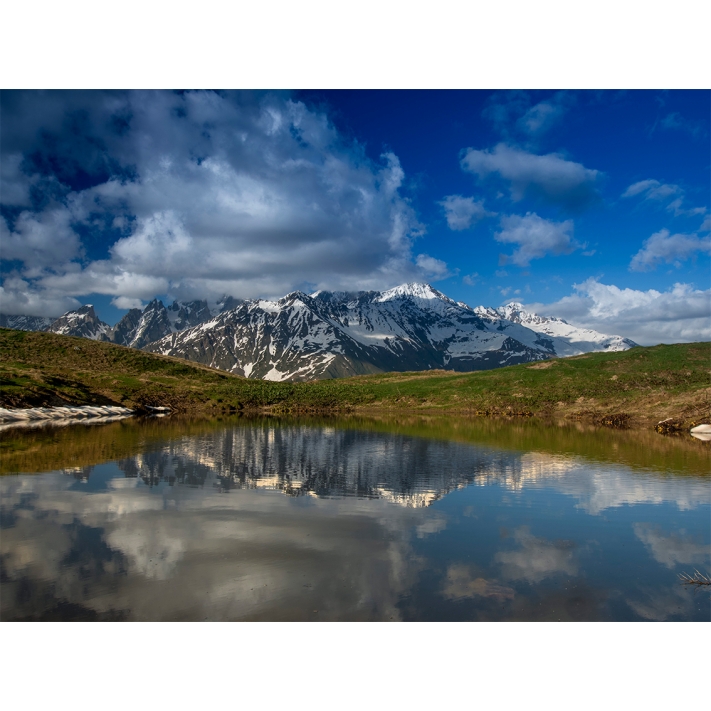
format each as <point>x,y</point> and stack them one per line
<point>334,520</point>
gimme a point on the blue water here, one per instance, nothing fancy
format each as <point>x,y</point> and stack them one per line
<point>292,521</point>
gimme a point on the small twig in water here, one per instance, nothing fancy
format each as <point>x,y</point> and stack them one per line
<point>695,579</point>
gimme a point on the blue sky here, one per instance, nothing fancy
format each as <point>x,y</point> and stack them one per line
<point>589,205</point>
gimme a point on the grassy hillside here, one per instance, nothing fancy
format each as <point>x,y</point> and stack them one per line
<point>648,384</point>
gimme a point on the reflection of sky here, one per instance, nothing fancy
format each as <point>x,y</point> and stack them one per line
<point>392,529</point>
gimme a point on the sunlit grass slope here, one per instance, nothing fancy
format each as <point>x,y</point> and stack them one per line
<point>648,383</point>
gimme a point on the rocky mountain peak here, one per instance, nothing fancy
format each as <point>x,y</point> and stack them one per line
<point>335,334</point>
<point>81,322</point>
<point>415,290</point>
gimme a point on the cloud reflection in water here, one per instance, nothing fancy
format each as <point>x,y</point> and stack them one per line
<point>303,523</point>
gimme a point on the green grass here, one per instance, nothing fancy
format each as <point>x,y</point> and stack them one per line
<point>648,383</point>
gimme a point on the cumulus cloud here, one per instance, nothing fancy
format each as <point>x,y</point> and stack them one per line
<point>463,212</point>
<point>665,247</point>
<point>205,194</point>
<point>40,240</point>
<point>433,268</point>
<point>19,297</point>
<point>470,279</point>
<point>548,178</point>
<point>124,302</point>
<point>678,315</point>
<point>535,237</point>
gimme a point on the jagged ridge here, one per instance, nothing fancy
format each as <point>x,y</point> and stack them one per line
<point>338,334</point>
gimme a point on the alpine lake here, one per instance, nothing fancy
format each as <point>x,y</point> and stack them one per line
<point>337,519</point>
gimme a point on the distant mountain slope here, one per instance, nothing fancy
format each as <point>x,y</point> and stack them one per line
<point>337,334</point>
<point>567,339</point>
<point>139,328</point>
<point>25,323</point>
<point>83,322</point>
<point>136,329</point>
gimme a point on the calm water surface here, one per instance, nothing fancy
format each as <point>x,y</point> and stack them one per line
<point>352,520</point>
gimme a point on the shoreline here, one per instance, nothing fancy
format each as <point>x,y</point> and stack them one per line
<point>638,388</point>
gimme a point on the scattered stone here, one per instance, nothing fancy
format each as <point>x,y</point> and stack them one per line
<point>669,426</point>
<point>619,420</point>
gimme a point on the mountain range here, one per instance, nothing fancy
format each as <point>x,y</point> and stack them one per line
<point>336,334</point>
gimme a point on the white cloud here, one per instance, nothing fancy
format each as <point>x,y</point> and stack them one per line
<point>680,314</point>
<point>470,279</point>
<point>18,297</point>
<point>652,190</point>
<point>247,195</point>
<point>665,247</point>
<point>549,178</point>
<point>661,192</point>
<point>124,302</point>
<point>535,237</point>
<point>463,212</point>
<point>434,268</point>
<point>44,240</point>
<point>676,206</point>
<point>104,277</point>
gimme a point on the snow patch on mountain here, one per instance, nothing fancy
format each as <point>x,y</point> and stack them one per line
<point>82,322</point>
<point>26,323</point>
<point>415,290</point>
<point>336,334</point>
<point>567,339</point>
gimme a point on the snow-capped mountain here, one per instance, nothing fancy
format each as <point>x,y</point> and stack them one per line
<point>567,340</point>
<point>336,334</point>
<point>136,329</point>
<point>26,323</point>
<point>83,322</point>
<point>139,328</point>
